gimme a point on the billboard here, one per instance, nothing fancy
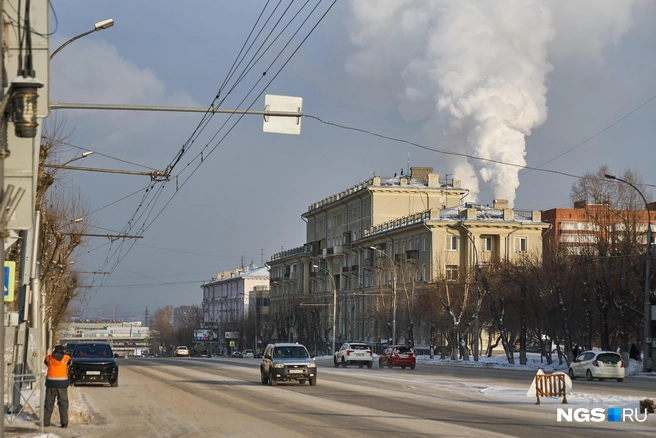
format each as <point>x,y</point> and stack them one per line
<point>207,335</point>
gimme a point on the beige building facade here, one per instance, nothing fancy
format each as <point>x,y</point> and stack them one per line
<point>384,238</point>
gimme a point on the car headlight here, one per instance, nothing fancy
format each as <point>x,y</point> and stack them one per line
<point>312,365</point>
<point>279,365</point>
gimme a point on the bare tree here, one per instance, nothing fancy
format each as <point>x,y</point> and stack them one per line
<point>161,327</point>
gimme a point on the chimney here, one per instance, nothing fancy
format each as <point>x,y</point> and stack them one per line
<point>499,204</point>
<point>433,180</point>
<point>420,172</point>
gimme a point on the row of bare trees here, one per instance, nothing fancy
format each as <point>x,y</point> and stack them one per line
<point>168,331</point>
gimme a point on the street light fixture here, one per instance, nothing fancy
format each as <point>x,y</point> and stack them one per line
<point>84,155</point>
<point>647,311</point>
<point>334,301</point>
<point>393,292</point>
<point>98,26</point>
<point>476,293</point>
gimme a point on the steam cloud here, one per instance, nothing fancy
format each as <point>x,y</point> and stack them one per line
<point>476,70</point>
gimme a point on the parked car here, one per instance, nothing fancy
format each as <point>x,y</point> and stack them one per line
<point>181,351</point>
<point>398,356</point>
<point>353,353</point>
<point>287,362</point>
<point>93,362</point>
<point>236,354</point>
<point>218,355</point>
<point>248,354</point>
<point>600,365</point>
<point>531,347</point>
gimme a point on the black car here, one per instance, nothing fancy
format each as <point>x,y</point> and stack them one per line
<point>70,347</point>
<point>93,362</point>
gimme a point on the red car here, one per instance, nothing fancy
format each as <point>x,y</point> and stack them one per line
<point>398,356</point>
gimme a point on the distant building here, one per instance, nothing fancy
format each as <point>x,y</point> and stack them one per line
<point>586,226</point>
<point>126,338</point>
<point>236,296</point>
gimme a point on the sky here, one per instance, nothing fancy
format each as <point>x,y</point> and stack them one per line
<point>563,87</point>
<point>499,393</point>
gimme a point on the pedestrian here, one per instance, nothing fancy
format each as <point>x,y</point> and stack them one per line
<point>635,353</point>
<point>57,385</point>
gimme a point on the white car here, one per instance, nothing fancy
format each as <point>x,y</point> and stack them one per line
<point>600,365</point>
<point>248,354</point>
<point>354,353</point>
<point>181,351</point>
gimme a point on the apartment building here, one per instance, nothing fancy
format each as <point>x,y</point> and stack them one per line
<point>381,235</point>
<point>233,297</point>
<point>585,226</point>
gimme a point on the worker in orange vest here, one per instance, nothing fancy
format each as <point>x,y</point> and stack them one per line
<point>57,385</point>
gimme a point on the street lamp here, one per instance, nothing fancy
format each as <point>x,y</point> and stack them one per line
<point>647,314</point>
<point>98,26</point>
<point>334,301</point>
<point>84,155</point>
<point>476,294</point>
<point>393,292</point>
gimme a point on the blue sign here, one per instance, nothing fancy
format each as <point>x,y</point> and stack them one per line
<point>10,272</point>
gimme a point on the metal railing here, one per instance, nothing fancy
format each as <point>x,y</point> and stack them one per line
<point>29,405</point>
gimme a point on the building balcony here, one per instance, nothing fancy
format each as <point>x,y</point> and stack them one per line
<point>332,251</point>
<point>412,254</point>
<point>355,268</point>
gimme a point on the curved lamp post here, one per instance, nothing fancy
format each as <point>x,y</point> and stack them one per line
<point>84,155</point>
<point>393,292</point>
<point>334,301</point>
<point>98,26</point>
<point>647,314</point>
<point>476,299</point>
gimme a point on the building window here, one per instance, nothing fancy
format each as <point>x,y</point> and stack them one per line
<point>452,243</point>
<point>423,272</point>
<point>451,272</point>
<point>486,243</point>
<point>417,243</point>
<point>521,244</point>
<point>424,244</point>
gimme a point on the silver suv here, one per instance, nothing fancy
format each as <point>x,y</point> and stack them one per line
<point>286,363</point>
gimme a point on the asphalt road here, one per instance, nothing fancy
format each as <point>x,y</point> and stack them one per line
<point>174,397</point>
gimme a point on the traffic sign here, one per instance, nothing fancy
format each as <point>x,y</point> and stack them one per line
<point>10,278</point>
<point>283,124</point>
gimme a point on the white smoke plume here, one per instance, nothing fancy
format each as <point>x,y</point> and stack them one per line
<point>476,70</point>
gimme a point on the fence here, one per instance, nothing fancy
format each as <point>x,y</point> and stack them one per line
<point>30,398</point>
<point>550,385</point>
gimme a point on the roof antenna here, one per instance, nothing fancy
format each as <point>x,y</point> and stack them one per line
<point>408,163</point>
